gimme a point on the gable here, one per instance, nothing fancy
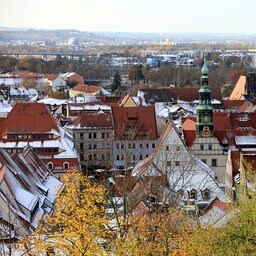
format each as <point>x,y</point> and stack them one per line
<point>28,118</point>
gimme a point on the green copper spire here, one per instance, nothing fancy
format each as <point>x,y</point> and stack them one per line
<point>204,123</point>
<point>204,69</point>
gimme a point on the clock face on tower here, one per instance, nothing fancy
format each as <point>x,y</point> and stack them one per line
<point>206,119</point>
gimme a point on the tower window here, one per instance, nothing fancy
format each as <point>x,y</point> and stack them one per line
<point>214,162</point>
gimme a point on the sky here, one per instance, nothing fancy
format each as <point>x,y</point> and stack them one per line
<point>148,16</point>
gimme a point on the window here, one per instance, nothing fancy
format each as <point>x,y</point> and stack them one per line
<point>94,135</point>
<point>50,165</point>
<point>167,148</point>
<point>141,145</point>
<point>103,135</point>
<point>141,157</point>
<point>169,163</point>
<point>201,146</point>
<point>81,157</point>
<point>147,145</point>
<point>214,162</point>
<point>210,146</point>
<point>90,135</point>
<point>66,165</point>
<point>153,145</point>
<point>178,147</point>
<point>177,163</point>
<point>90,157</point>
<point>192,194</point>
<point>205,193</point>
<point>81,135</point>
<point>117,157</point>
<point>103,156</point>
<point>81,146</point>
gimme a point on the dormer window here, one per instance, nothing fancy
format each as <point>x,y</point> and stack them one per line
<point>192,194</point>
<point>205,193</point>
<point>244,117</point>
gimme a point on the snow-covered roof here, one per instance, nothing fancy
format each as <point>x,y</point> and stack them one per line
<point>21,90</point>
<point>25,198</point>
<point>90,107</point>
<point>104,91</point>
<point>184,172</point>
<point>245,140</point>
<point>53,101</point>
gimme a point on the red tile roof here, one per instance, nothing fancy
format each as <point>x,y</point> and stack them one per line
<point>122,183</point>
<point>28,118</point>
<point>226,126</point>
<point>187,94</point>
<point>86,88</point>
<point>232,104</point>
<point>141,118</point>
<point>94,120</point>
<point>225,207</point>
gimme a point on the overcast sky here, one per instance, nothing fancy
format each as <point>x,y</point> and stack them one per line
<point>224,16</point>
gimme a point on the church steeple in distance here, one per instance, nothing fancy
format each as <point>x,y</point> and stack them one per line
<point>204,123</point>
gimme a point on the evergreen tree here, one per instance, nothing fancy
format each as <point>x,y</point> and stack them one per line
<point>116,82</point>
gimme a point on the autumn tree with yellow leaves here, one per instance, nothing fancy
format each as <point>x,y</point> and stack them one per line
<point>77,225</point>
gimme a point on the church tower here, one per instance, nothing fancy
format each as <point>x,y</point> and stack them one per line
<point>204,123</point>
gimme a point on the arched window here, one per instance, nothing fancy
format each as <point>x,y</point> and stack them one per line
<point>66,165</point>
<point>50,165</point>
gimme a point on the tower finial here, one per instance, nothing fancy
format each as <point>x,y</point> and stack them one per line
<point>204,69</point>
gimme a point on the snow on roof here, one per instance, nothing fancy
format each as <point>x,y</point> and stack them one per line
<point>53,101</point>
<point>63,144</point>
<point>104,91</point>
<point>54,186</point>
<point>31,92</point>
<point>245,140</point>
<point>141,95</point>
<point>25,198</point>
<point>90,107</point>
<point>87,99</point>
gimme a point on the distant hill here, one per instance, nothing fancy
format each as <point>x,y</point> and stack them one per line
<point>33,34</point>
